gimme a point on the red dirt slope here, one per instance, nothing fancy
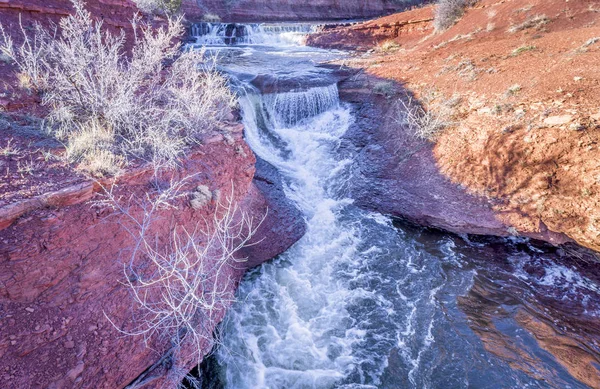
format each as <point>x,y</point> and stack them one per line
<point>524,81</point>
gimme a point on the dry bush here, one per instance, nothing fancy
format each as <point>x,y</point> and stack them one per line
<point>389,46</point>
<point>93,88</point>
<point>537,22</point>
<point>427,118</point>
<point>384,88</point>
<point>181,291</point>
<point>448,12</point>
<point>159,7</point>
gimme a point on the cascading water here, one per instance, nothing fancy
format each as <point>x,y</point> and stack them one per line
<point>360,302</point>
<point>215,34</point>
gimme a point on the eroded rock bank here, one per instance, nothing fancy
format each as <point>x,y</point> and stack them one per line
<point>62,267</point>
<point>396,173</point>
<point>516,88</point>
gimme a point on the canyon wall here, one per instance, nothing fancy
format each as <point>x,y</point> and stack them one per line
<point>397,173</point>
<point>291,10</point>
<point>117,13</point>
<point>62,261</point>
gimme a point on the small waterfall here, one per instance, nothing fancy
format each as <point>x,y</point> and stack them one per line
<point>289,108</point>
<point>218,34</point>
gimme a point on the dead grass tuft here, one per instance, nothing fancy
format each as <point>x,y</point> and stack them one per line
<point>536,22</point>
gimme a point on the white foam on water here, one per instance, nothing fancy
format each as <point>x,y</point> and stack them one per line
<point>221,34</point>
<point>302,335</point>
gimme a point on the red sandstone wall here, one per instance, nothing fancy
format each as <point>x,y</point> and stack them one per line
<point>291,10</point>
<point>61,269</point>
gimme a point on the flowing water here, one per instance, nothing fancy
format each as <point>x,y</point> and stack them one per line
<point>361,302</point>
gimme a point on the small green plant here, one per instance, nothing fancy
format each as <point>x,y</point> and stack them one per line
<point>522,49</point>
<point>586,192</point>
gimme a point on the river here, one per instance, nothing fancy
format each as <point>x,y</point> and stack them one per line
<point>362,301</point>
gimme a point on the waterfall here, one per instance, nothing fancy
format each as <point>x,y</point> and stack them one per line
<point>289,108</point>
<point>218,34</point>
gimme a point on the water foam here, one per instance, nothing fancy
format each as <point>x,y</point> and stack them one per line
<point>219,34</point>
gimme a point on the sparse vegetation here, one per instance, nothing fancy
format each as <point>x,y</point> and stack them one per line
<point>467,70</point>
<point>160,7</point>
<point>536,22</point>
<point>389,45</point>
<point>106,106</point>
<point>513,90</point>
<point>522,49</point>
<point>26,168</point>
<point>448,12</point>
<point>10,150</point>
<point>180,293</point>
<point>211,18</point>
<point>384,88</point>
<point>427,118</point>
<point>585,46</point>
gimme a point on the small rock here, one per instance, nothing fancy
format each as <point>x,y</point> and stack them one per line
<point>576,127</point>
<point>558,120</point>
<point>577,78</point>
<point>30,310</point>
<point>596,117</point>
<point>69,344</point>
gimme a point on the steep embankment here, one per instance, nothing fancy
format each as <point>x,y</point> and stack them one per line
<point>290,10</point>
<point>62,261</point>
<point>63,249</point>
<point>520,154</point>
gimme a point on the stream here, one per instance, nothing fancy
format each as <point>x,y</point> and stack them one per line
<point>362,301</point>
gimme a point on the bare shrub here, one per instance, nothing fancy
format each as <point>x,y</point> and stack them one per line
<point>384,88</point>
<point>159,7</point>
<point>448,12</point>
<point>389,46</point>
<point>211,18</point>
<point>425,119</point>
<point>180,291</point>
<point>92,87</point>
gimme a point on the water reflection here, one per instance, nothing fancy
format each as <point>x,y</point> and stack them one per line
<point>534,307</point>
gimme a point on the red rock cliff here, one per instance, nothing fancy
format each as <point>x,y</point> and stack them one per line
<point>291,10</point>
<point>61,270</point>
